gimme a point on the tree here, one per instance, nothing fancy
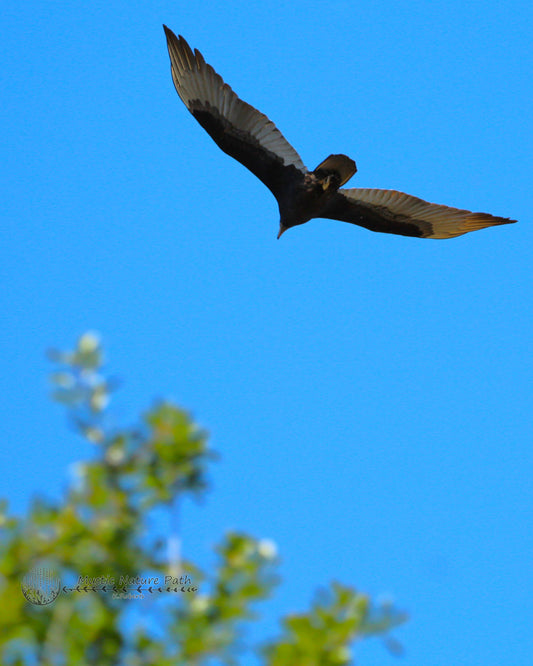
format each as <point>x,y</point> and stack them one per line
<point>100,526</point>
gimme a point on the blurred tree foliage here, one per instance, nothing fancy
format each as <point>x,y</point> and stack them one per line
<point>101,527</point>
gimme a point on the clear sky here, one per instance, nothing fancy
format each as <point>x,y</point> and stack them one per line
<point>370,394</point>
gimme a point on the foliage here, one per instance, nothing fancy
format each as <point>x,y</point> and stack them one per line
<point>101,526</point>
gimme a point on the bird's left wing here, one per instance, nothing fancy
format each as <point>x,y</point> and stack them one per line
<point>394,212</point>
<point>239,130</point>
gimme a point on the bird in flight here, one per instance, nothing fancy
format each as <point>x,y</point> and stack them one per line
<point>250,137</point>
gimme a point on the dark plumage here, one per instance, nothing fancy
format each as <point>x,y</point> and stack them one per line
<point>251,138</point>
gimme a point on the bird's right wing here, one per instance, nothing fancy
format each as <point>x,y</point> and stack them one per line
<point>239,130</point>
<point>394,212</point>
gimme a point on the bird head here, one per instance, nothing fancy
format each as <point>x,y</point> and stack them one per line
<point>288,222</point>
<point>296,213</point>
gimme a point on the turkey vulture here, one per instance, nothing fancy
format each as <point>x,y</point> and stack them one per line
<point>251,138</point>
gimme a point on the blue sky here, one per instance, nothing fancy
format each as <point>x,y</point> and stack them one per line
<point>370,394</point>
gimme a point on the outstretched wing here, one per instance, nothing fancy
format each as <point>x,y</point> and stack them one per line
<point>394,212</point>
<point>239,129</point>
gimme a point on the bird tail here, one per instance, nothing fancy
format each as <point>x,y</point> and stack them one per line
<point>340,164</point>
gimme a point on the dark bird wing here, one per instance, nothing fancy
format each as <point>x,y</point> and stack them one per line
<point>239,129</point>
<point>394,212</point>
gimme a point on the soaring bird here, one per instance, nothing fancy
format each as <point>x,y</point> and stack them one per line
<point>250,137</point>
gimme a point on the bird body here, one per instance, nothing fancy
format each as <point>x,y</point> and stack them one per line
<point>309,194</point>
<point>250,137</point>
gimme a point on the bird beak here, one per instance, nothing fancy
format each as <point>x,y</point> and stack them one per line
<point>282,230</point>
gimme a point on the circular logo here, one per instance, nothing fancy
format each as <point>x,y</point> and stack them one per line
<point>41,586</point>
